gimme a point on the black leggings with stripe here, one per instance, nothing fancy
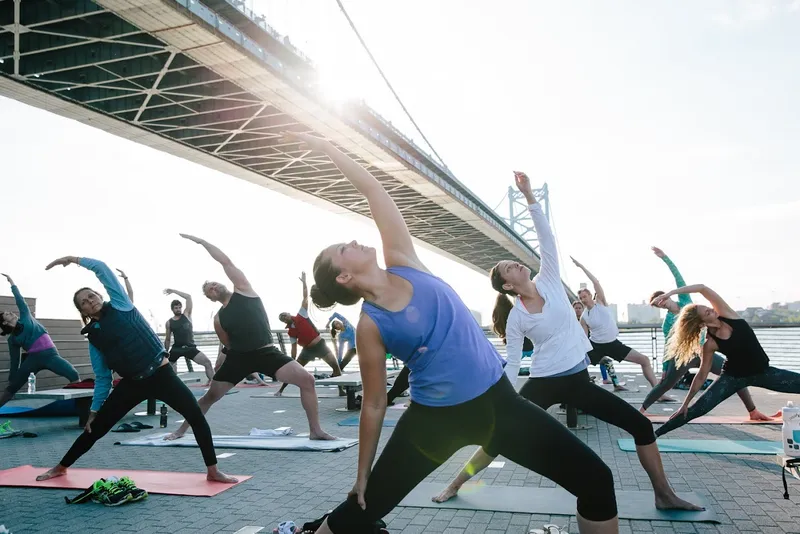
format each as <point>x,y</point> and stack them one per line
<point>500,421</point>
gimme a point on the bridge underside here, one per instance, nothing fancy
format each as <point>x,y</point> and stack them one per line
<point>167,83</point>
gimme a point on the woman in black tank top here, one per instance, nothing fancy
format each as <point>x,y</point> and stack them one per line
<point>747,364</point>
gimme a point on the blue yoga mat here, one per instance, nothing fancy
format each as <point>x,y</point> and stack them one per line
<point>353,421</point>
<point>54,409</point>
<point>710,446</point>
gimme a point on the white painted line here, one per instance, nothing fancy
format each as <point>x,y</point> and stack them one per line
<point>279,411</point>
<point>668,409</point>
<point>225,455</point>
<point>496,465</point>
<point>180,420</point>
<point>249,530</point>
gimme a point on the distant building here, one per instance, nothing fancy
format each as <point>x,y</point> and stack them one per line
<point>643,314</point>
<point>794,306</point>
<point>614,312</point>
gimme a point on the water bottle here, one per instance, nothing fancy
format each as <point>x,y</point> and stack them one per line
<point>791,430</point>
<point>163,415</point>
<point>31,383</point>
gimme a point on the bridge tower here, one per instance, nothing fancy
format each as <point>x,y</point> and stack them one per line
<point>518,217</point>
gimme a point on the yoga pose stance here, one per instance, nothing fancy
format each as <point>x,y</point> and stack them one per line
<point>180,325</point>
<point>747,363</point>
<point>542,312</point>
<point>606,363</point>
<point>342,332</point>
<point>303,332</point>
<point>128,286</point>
<point>459,394</point>
<point>121,340</point>
<point>243,328</point>
<point>673,373</point>
<point>601,327</point>
<point>26,333</point>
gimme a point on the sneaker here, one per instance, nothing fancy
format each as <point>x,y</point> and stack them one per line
<point>87,494</point>
<point>109,493</point>
<point>137,494</point>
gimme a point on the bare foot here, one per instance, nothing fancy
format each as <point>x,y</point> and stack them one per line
<point>667,398</point>
<point>606,381</point>
<point>778,414</point>
<point>448,493</point>
<point>620,388</point>
<point>755,415</point>
<point>278,394</point>
<point>671,501</point>
<point>321,436</point>
<point>215,475</point>
<point>57,471</point>
<point>173,436</point>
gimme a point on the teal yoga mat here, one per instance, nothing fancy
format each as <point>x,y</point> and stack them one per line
<point>551,501</point>
<point>710,446</point>
<point>353,421</point>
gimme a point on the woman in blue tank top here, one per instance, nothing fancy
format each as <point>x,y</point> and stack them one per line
<point>459,393</point>
<point>747,363</point>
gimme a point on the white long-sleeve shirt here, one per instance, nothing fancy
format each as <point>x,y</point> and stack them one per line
<point>559,340</point>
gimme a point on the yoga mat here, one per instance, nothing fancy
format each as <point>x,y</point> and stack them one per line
<point>276,443</point>
<point>353,421</point>
<point>719,420</point>
<point>293,395</point>
<point>551,501</point>
<point>165,483</point>
<point>54,409</point>
<point>710,446</point>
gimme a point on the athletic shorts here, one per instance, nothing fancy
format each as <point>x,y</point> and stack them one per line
<point>182,351</point>
<point>313,352</point>
<point>239,365</point>
<point>615,350</point>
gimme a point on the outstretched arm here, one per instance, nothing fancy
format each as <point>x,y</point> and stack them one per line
<point>128,286</point>
<point>304,303</point>
<point>549,269</point>
<point>598,289</point>
<point>719,305</point>
<point>234,274</point>
<point>119,299</point>
<point>185,296</point>
<point>24,311</point>
<point>683,299</point>
<point>706,360</point>
<point>398,248</point>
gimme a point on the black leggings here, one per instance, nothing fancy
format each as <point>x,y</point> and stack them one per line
<point>578,390</point>
<point>726,385</point>
<point>500,421</point>
<point>400,385</point>
<point>164,385</point>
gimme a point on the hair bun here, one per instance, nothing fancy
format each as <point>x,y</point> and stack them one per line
<point>320,298</point>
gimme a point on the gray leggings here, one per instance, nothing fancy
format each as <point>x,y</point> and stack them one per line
<point>723,387</point>
<point>39,361</point>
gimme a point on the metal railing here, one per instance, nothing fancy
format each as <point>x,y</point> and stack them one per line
<point>780,341</point>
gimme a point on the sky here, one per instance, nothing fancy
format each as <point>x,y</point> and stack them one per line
<point>673,124</point>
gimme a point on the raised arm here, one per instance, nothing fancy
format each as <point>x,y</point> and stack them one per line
<point>234,274</point>
<point>683,299</point>
<point>598,289</point>
<point>549,268</point>
<point>304,303</point>
<point>514,341</point>
<point>24,311</point>
<point>336,315</point>
<point>398,248</point>
<point>128,286</point>
<point>119,299</point>
<point>185,296</point>
<point>719,305</point>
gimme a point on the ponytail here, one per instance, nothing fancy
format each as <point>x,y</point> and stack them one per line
<point>502,308</point>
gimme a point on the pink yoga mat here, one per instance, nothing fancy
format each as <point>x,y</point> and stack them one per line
<point>719,420</point>
<point>165,483</point>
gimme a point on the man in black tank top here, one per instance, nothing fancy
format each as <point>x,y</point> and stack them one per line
<point>243,328</point>
<point>180,325</point>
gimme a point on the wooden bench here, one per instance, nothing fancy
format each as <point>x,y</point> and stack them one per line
<point>351,383</point>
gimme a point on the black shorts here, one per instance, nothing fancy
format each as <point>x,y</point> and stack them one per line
<point>313,352</point>
<point>615,350</point>
<point>239,365</point>
<point>182,351</point>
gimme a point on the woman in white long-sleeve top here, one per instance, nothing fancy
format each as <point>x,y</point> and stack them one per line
<point>543,313</point>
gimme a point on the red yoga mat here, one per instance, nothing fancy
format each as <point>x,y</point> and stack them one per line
<point>719,420</point>
<point>165,483</point>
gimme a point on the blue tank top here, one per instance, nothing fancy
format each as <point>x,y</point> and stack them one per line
<point>450,358</point>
